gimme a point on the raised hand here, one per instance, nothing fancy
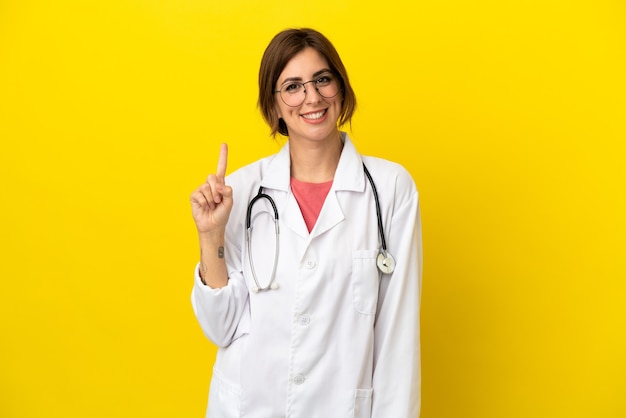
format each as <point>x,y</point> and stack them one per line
<point>212,202</point>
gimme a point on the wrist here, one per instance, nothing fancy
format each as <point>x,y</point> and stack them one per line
<point>211,238</point>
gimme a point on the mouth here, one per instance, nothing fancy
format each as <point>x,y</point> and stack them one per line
<point>313,116</point>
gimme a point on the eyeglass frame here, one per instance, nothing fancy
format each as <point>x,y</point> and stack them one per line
<point>337,78</point>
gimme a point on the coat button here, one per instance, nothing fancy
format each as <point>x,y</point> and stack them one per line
<point>310,264</point>
<point>298,379</point>
<point>304,320</point>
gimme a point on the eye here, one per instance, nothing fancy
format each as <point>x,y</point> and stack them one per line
<point>324,80</point>
<point>292,88</point>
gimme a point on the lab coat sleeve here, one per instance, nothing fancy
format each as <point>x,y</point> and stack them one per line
<point>397,370</point>
<point>221,312</point>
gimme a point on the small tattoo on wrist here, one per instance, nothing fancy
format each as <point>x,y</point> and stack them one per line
<point>220,252</point>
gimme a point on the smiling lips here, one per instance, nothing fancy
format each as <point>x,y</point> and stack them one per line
<point>314,116</point>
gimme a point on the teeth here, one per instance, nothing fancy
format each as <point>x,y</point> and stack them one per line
<point>316,115</point>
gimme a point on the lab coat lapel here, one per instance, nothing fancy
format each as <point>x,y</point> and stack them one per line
<point>330,215</point>
<point>293,217</point>
<point>348,177</point>
<point>277,177</point>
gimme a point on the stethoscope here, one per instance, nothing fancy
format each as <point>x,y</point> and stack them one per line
<point>385,261</point>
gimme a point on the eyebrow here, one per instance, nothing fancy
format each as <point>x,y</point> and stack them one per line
<point>315,74</point>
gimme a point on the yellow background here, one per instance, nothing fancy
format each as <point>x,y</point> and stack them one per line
<point>509,114</point>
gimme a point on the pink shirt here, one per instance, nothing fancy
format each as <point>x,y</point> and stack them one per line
<point>310,198</point>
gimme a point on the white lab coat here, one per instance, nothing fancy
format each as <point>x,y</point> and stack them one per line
<point>337,339</point>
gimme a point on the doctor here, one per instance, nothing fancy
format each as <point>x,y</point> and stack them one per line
<point>310,320</point>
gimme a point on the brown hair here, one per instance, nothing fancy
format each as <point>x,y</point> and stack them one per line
<point>282,48</point>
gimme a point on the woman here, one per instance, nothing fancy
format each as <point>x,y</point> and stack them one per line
<point>306,323</point>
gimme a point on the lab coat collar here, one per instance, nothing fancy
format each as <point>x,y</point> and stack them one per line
<point>278,173</point>
<point>349,174</point>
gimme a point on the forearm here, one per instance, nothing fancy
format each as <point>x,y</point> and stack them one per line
<point>213,270</point>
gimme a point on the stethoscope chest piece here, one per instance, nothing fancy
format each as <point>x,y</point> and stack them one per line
<point>385,262</point>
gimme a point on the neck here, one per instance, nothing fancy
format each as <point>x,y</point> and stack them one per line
<point>315,162</point>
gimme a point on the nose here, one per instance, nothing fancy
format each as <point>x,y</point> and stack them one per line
<point>311,95</point>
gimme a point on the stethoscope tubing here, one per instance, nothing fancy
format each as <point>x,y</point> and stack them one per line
<point>271,284</point>
<point>260,195</point>
<point>379,216</point>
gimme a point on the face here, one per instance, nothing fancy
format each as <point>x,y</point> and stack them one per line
<point>316,118</point>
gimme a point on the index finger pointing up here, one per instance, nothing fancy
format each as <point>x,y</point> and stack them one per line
<point>222,162</point>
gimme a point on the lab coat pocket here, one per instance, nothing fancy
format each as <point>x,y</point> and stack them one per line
<point>365,279</point>
<point>224,398</point>
<point>363,403</point>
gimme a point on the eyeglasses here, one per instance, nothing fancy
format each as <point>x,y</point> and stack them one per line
<point>293,94</point>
